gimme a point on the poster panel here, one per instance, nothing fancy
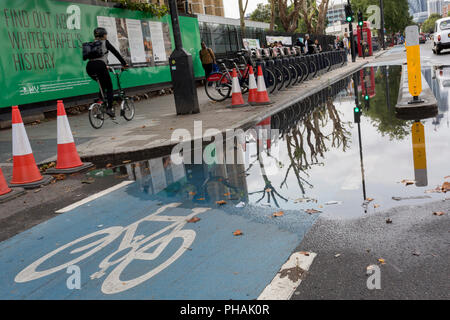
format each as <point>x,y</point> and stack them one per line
<point>287,41</point>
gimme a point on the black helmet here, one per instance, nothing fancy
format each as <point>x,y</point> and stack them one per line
<point>100,32</point>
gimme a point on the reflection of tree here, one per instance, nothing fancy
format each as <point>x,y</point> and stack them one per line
<point>383,118</point>
<point>310,133</point>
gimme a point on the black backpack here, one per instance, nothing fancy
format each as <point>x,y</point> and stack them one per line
<point>93,50</point>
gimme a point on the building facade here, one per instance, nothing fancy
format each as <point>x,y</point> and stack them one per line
<point>435,6</point>
<point>209,7</point>
<point>336,14</point>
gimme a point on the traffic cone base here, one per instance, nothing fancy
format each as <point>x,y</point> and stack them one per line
<point>7,193</point>
<point>31,185</point>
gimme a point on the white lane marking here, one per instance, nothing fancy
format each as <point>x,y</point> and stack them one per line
<point>93,197</point>
<point>288,278</point>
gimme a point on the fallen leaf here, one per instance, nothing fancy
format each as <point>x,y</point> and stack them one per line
<point>37,190</point>
<point>238,233</point>
<point>305,253</point>
<point>370,199</point>
<point>445,187</point>
<point>438,213</point>
<point>227,194</point>
<point>407,182</point>
<point>388,220</point>
<point>311,211</point>
<point>113,138</point>
<point>376,206</point>
<point>382,261</point>
<point>126,161</point>
<point>109,165</point>
<point>337,255</point>
<point>143,127</point>
<point>193,220</point>
<point>278,214</point>
<point>88,181</point>
<point>191,193</point>
<point>221,202</point>
<point>59,177</point>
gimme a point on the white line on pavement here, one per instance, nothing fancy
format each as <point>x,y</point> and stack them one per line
<point>93,197</point>
<point>288,278</point>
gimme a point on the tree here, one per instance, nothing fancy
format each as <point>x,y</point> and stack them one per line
<point>428,25</point>
<point>289,13</point>
<point>313,16</point>
<point>242,9</point>
<point>396,14</point>
<point>262,13</point>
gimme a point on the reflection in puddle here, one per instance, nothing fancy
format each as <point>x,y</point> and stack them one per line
<point>314,157</point>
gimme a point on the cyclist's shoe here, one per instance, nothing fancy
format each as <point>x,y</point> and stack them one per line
<point>111,113</point>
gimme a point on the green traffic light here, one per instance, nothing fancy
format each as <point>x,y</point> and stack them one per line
<point>349,19</point>
<point>366,97</point>
<point>356,109</point>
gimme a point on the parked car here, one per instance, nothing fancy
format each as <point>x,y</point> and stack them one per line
<point>441,38</point>
<point>422,38</point>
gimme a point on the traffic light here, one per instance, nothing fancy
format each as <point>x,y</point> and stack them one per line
<point>348,13</point>
<point>366,97</point>
<point>360,19</point>
<point>357,114</point>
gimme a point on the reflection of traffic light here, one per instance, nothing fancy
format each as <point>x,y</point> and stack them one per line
<point>360,19</point>
<point>348,13</point>
<point>357,114</point>
<point>366,97</point>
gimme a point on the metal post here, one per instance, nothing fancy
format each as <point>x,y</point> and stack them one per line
<point>352,43</point>
<point>355,83</point>
<point>182,70</point>
<point>383,44</point>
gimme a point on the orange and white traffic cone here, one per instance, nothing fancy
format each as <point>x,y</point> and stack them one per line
<point>252,88</point>
<point>236,98</point>
<point>25,171</point>
<point>4,189</point>
<point>262,97</point>
<point>7,193</point>
<point>68,160</point>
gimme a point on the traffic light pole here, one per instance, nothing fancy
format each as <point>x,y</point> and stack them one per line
<point>352,42</point>
<point>383,44</point>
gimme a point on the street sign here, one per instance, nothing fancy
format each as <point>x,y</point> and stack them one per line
<point>413,59</point>
<point>419,154</point>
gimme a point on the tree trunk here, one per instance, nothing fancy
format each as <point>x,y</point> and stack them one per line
<point>289,21</point>
<point>242,10</point>
<point>272,14</point>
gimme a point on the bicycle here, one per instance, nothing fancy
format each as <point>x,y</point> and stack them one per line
<point>97,110</point>
<point>132,247</point>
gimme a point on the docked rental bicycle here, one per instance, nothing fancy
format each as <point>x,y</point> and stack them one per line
<point>97,110</point>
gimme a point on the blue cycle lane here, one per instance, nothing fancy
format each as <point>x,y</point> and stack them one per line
<point>131,244</point>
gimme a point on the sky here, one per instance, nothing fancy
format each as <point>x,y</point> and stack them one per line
<point>232,7</point>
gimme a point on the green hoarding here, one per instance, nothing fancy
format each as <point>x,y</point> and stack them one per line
<point>41,56</point>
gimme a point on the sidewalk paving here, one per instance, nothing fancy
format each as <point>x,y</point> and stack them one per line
<point>149,134</point>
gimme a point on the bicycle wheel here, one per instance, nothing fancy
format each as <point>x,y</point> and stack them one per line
<point>280,78</point>
<point>294,75</point>
<point>31,273</point>
<point>299,73</point>
<point>128,109</point>
<point>305,71</point>
<point>313,69</point>
<point>271,81</point>
<point>327,64</point>
<point>286,76</point>
<point>96,115</point>
<point>218,86</point>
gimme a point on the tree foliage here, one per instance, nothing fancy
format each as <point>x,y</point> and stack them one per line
<point>428,25</point>
<point>154,9</point>
<point>396,14</point>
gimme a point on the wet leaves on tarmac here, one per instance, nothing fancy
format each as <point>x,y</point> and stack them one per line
<point>381,261</point>
<point>221,202</point>
<point>294,274</point>
<point>238,233</point>
<point>438,213</point>
<point>59,177</point>
<point>193,220</point>
<point>278,214</point>
<point>407,182</point>
<point>388,220</point>
<point>312,211</point>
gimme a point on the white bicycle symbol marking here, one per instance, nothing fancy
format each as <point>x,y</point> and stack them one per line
<point>138,245</point>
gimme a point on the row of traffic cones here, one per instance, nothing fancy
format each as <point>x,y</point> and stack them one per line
<point>26,174</point>
<point>257,93</point>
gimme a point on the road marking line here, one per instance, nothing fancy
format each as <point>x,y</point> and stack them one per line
<point>93,197</point>
<point>282,287</point>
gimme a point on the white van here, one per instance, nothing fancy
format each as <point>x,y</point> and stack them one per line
<point>441,35</point>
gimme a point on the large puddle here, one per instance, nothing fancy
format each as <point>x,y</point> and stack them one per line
<point>318,160</point>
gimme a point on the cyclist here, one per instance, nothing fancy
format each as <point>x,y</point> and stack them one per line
<point>98,68</point>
